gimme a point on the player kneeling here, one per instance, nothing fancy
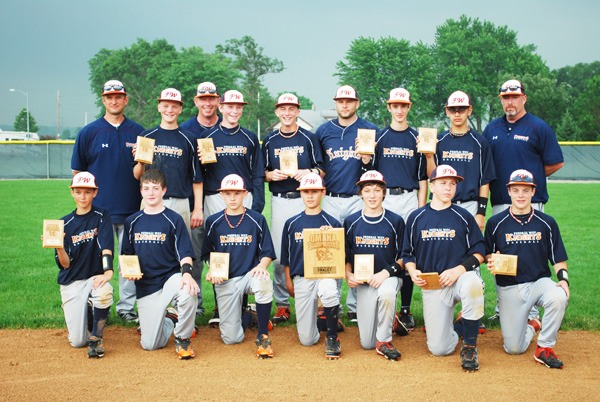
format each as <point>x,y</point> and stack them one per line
<point>535,238</point>
<point>442,238</point>
<point>159,237</point>
<point>86,267</point>
<point>243,234</point>
<point>307,291</point>
<point>377,232</point>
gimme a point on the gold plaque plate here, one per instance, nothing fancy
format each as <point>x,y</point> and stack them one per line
<point>366,141</point>
<point>364,267</point>
<point>208,150</point>
<point>219,265</point>
<point>144,151</point>
<point>53,233</point>
<point>129,266</point>
<point>427,140</point>
<point>324,253</point>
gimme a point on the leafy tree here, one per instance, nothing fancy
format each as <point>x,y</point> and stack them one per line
<point>20,123</point>
<point>577,76</point>
<point>587,110</point>
<point>567,129</point>
<point>546,98</point>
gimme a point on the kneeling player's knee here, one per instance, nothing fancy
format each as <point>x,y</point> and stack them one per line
<point>387,296</point>
<point>103,297</point>
<point>328,293</point>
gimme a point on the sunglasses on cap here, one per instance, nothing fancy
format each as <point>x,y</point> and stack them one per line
<point>512,88</point>
<point>114,87</point>
<point>457,109</point>
<point>207,91</point>
<point>521,178</point>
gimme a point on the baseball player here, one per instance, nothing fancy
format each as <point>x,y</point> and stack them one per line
<point>343,166</point>
<point>378,232</point>
<point>207,101</point>
<point>103,148</point>
<point>285,199</point>
<point>158,236</point>
<point>535,238</point>
<point>238,152</point>
<point>86,267</point>
<point>244,234</point>
<point>396,158</point>
<point>443,238</point>
<point>307,291</point>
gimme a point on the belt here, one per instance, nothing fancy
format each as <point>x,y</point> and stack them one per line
<point>290,195</point>
<point>397,190</point>
<point>340,195</point>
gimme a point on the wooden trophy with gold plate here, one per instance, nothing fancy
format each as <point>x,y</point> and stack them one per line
<point>324,253</point>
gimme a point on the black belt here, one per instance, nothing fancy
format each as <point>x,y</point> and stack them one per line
<point>398,190</point>
<point>340,195</point>
<point>290,195</point>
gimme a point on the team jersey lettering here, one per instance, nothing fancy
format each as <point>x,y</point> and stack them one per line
<point>168,150</point>
<point>342,153</point>
<point>523,237</point>
<point>371,241</point>
<point>400,152</point>
<point>130,144</point>
<point>438,234</point>
<point>521,137</point>
<point>457,155</point>
<point>235,239</point>
<point>231,150</point>
<point>84,236</point>
<point>298,148</point>
<point>153,237</point>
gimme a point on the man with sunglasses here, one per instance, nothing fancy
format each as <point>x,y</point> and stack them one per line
<point>103,148</point>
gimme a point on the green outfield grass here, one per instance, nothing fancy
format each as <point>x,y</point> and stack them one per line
<point>29,294</point>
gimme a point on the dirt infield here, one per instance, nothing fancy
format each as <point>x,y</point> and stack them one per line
<point>39,364</point>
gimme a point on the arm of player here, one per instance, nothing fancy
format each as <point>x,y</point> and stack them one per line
<point>186,278</point>
<point>378,278</point>
<point>100,280</point>
<point>564,282</point>
<point>197,213</point>
<point>414,273</point>
<point>275,175</point>
<point>551,169</point>
<point>289,283</point>
<point>450,276</point>
<point>260,271</point>
<point>63,258</point>
<point>430,163</point>
<point>484,193</point>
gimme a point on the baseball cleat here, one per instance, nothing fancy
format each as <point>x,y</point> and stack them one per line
<point>387,350</point>
<point>333,348</point>
<point>536,324</point>
<point>351,316</point>
<point>399,327</point>
<point>95,347</point>
<point>214,321</point>
<point>407,319</point>
<point>263,347</point>
<point>494,317</point>
<point>469,358</point>
<point>183,349</point>
<point>282,315</point>
<point>130,317</point>
<point>547,357</point>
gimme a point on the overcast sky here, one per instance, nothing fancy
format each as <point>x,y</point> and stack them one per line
<point>45,45</point>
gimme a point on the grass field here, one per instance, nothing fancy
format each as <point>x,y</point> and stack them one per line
<point>29,295</point>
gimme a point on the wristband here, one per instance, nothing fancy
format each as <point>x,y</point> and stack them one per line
<point>107,262</point>
<point>563,275</point>
<point>481,205</point>
<point>186,269</point>
<point>470,263</point>
<point>393,269</point>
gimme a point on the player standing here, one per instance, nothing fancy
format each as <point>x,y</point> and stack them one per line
<point>158,236</point>
<point>103,148</point>
<point>244,234</point>
<point>444,238</point>
<point>285,199</point>
<point>535,238</point>
<point>86,267</point>
<point>377,231</point>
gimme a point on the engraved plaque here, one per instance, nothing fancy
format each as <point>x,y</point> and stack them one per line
<point>129,266</point>
<point>207,147</point>
<point>427,140</point>
<point>365,141</point>
<point>433,280</point>
<point>364,267</point>
<point>324,253</point>
<point>219,265</point>
<point>288,162</point>
<point>144,151</point>
<point>54,233</point>
<point>505,264</point>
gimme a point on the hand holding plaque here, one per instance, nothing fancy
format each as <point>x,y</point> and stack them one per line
<point>288,162</point>
<point>144,150</point>
<point>219,265</point>
<point>432,279</point>
<point>427,140</point>
<point>365,141</point>
<point>207,146</point>
<point>129,265</point>
<point>364,267</point>
<point>53,233</point>
<point>504,264</point>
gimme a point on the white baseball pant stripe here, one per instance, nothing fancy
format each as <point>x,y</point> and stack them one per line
<point>306,292</point>
<point>375,310</point>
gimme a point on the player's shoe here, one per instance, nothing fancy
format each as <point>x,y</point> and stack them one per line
<point>387,350</point>
<point>183,349</point>
<point>95,347</point>
<point>351,316</point>
<point>547,357</point>
<point>407,319</point>
<point>214,321</point>
<point>536,324</point>
<point>282,315</point>
<point>333,348</point>
<point>263,347</point>
<point>399,327</point>
<point>469,358</point>
<point>131,317</point>
<point>251,310</point>
<point>90,316</point>
<point>494,317</point>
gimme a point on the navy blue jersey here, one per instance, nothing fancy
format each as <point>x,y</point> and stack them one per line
<point>440,240</point>
<point>292,240</point>
<point>396,158</point>
<point>529,144</point>
<point>238,152</point>
<point>535,239</point>
<point>192,126</point>
<point>470,155</point>
<point>85,238</point>
<point>175,154</point>
<point>303,142</point>
<point>342,164</point>
<point>246,244</point>
<point>381,236</point>
<point>160,241</point>
<point>105,151</point>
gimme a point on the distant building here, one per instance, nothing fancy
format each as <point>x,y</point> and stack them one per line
<point>18,136</point>
<point>310,119</point>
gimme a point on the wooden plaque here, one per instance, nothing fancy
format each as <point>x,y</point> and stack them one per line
<point>324,253</point>
<point>288,162</point>
<point>364,267</point>
<point>427,140</point>
<point>433,280</point>
<point>129,266</point>
<point>219,265</point>
<point>505,264</point>
<point>144,151</point>
<point>53,233</point>
<point>366,141</point>
<point>207,147</point>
